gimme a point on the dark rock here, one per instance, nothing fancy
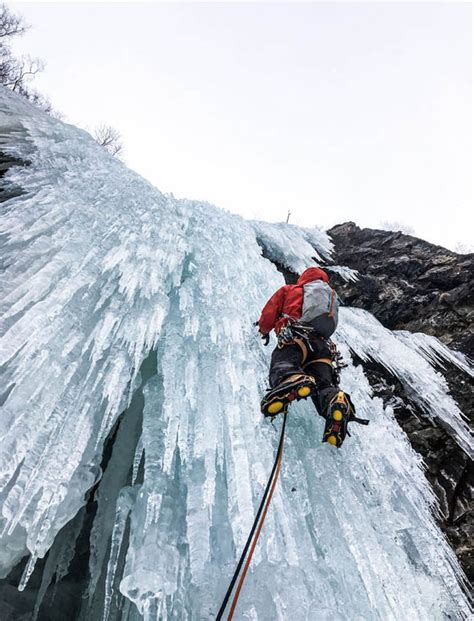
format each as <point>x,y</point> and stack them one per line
<point>410,284</point>
<point>7,189</point>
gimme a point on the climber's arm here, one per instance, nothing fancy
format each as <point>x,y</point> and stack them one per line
<point>271,311</point>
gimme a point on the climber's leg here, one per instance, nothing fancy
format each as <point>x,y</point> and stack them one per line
<point>332,403</point>
<point>288,381</point>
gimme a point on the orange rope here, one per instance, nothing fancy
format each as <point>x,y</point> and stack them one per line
<point>254,543</point>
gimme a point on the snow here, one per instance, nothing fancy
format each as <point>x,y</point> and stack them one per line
<point>121,303</point>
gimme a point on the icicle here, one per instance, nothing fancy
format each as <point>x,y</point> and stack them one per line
<point>83,298</point>
<point>137,460</point>
<point>153,609</point>
<point>369,339</point>
<point>116,475</point>
<point>346,273</point>
<point>30,566</point>
<point>435,351</point>
<point>124,505</point>
<point>294,247</point>
<point>59,557</point>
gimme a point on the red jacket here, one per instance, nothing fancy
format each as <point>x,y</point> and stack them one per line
<point>287,300</point>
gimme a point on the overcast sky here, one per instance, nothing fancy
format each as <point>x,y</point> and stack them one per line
<point>334,111</point>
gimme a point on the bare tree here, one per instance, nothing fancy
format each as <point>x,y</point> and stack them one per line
<point>397,226</point>
<point>463,248</point>
<point>109,138</point>
<point>10,24</point>
<point>16,73</point>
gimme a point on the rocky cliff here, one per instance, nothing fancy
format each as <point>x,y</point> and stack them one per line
<point>410,284</point>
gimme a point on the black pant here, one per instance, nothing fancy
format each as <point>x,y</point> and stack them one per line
<point>311,356</point>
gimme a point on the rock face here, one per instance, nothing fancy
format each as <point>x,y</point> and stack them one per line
<point>410,284</point>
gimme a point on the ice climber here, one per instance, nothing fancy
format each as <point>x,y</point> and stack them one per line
<point>304,316</point>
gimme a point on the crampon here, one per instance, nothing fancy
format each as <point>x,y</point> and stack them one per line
<point>293,388</point>
<point>340,413</point>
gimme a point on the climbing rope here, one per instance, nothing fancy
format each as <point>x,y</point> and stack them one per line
<point>255,530</point>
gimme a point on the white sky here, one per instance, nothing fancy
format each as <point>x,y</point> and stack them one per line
<point>336,111</point>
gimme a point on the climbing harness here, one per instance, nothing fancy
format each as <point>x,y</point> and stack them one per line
<point>254,532</point>
<point>299,334</point>
<point>292,331</point>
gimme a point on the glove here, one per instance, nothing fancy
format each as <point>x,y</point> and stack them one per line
<point>265,337</point>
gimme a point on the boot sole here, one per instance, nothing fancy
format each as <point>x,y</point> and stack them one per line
<point>279,402</point>
<point>335,430</point>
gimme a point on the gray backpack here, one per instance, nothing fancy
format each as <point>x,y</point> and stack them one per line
<point>320,308</point>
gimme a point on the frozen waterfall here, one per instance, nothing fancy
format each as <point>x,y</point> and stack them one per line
<point>130,313</point>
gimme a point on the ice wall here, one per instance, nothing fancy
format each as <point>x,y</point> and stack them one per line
<point>119,301</point>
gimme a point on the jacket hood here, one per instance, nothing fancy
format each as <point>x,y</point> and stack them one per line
<point>312,273</point>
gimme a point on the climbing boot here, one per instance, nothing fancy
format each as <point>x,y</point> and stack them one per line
<point>340,413</point>
<point>295,387</point>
